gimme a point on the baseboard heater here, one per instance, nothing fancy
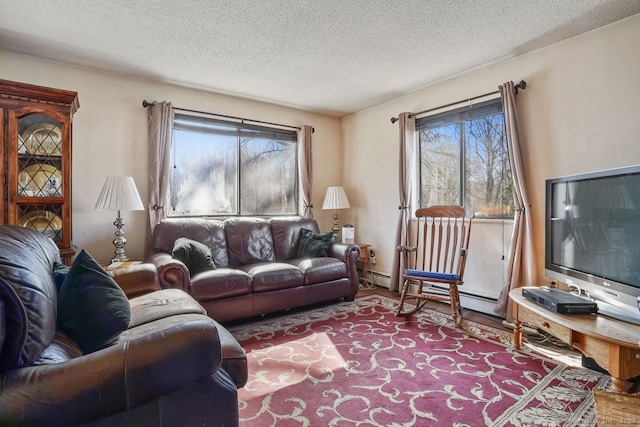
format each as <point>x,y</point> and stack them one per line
<point>483,298</point>
<point>478,297</point>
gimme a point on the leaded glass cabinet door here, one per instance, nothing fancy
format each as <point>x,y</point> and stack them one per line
<point>38,163</point>
<point>41,172</point>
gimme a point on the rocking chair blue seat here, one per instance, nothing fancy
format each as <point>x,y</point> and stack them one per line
<point>432,274</point>
<point>435,260</point>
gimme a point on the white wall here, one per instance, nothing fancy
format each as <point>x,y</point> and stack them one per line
<point>580,112</point>
<point>110,138</point>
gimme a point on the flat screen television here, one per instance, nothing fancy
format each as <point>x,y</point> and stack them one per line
<point>592,238</point>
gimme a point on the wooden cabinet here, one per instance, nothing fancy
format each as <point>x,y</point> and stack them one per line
<point>36,160</point>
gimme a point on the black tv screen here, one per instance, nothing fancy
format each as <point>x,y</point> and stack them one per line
<point>593,232</point>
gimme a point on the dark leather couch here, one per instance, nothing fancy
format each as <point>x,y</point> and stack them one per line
<point>257,271</point>
<point>166,369</point>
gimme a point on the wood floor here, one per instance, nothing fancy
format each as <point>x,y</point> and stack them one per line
<point>438,306</point>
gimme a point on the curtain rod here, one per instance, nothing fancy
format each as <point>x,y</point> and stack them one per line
<point>146,104</point>
<point>522,85</point>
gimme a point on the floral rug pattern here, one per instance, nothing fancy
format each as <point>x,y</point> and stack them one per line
<point>356,364</point>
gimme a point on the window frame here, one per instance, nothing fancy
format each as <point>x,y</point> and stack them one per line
<point>461,115</point>
<point>241,130</point>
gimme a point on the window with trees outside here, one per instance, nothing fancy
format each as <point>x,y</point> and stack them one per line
<point>224,168</point>
<point>464,160</point>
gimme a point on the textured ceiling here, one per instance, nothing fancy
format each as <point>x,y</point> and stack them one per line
<point>328,56</point>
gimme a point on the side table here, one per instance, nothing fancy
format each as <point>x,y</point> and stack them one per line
<point>119,264</point>
<point>364,261</point>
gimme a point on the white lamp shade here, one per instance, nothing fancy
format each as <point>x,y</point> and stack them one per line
<point>335,198</point>
<point>119,193</point>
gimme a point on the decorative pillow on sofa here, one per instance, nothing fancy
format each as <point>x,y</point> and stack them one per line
<point>60,272</point>
<point>92,309</point>
<point>312,244</point>
<point>195,255</point>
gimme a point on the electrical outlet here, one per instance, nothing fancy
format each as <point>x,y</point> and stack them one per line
<point>372,256</point>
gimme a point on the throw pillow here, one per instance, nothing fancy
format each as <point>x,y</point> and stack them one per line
<point>312,244</point>
<point>60,272</point>
<point>195,255</point>
<point>92,309</point>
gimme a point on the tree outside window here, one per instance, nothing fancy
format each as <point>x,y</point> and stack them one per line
<point>224,168</point>
<point>464,160</point>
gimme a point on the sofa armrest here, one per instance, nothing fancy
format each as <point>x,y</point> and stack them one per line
<point>171,272</point>
<point>349,254</point>
<point>344,251</point>
<point>112,380</point>
<point>137,280</point>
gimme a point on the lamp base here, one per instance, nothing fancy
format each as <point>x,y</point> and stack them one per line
<point>119,241</point>
<point>335,228</point>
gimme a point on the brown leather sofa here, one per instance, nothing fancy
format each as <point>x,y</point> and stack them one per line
<point>257,271</point>
<point>166,369</point>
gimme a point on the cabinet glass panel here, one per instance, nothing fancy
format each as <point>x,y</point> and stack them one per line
<point>45,218</point>
<point>39,156</point>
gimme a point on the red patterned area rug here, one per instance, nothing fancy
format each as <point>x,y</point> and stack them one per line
<point>356,364</point>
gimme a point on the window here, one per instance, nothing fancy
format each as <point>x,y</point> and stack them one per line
<point>224,168</point>
<point>464,160</point>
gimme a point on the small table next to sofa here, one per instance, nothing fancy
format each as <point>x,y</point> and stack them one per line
<point>364,261</point>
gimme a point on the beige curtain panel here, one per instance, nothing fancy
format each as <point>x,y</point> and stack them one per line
<point>406,177</point>
<point>160,130</point>
<point>521,270</point>
<point>305,169</point>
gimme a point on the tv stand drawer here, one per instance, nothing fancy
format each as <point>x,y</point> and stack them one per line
<point>544,324</point>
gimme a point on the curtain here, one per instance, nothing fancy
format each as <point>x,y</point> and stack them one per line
<point>305,169</point>
<point>521,270</point>
<point>407,165</point>
<point>160,130</point>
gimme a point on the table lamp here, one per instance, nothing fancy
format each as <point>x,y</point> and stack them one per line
<point>119,193</point>
<point>335,199</point>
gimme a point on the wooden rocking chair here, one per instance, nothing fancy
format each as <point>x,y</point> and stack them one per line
<point>434,261</point>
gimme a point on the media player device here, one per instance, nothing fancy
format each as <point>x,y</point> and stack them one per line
<point>560,301</point>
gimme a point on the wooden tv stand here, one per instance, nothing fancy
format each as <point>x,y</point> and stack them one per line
<point>613,344</point>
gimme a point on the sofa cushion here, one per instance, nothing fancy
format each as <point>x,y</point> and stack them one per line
<point>159,304</point>
<point>285,231</point>
<point>61,349</point>
<point>195,255</point>
<point>220,283</point>
<point>60,272</point>
<point>207,231</point>
<point>249,241</point>
<point>311,244</point>
<point>92,309</point>
<point>318,270</point>
<point>270,276</point>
